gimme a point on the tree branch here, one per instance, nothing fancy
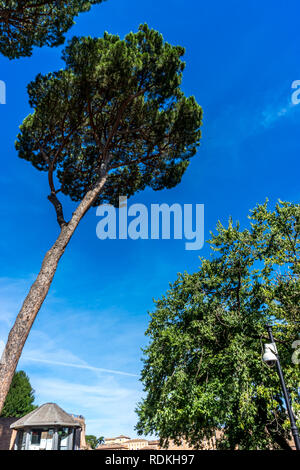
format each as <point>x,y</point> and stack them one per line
<point>52,197</point>
<point>58,209</point>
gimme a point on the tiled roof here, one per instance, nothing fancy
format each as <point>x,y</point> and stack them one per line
<point>48,414</point>
<point>116,446</point>
<point>136,440</point>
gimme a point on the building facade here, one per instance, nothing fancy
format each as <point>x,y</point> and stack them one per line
<point>125,443</point>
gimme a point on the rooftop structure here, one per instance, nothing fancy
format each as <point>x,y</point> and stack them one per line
<point>48,427</point>
<point>48,414</point>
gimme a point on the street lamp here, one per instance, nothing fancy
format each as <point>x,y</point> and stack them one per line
<point>271,358</point>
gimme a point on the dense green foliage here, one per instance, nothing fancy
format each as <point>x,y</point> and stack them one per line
<point>203,369</point>
<point>93,441</point>
<point>115,109</point>
<point>20,398</point>
<point>28,23</point>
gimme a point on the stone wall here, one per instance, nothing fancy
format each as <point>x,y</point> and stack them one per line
<point>7,435</point>
<point>80,441</point>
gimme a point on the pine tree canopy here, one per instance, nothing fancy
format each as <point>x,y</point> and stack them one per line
<point>28,23</point>
<point>203,369</point>
<point>117,105</point>
<point>20,398</point>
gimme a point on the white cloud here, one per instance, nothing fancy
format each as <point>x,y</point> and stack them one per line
<point>250,117</point>
<point>78,366</point>
<point>271,115</point>
<point>107,406</point>
<point>107,398</point>
<point>106,395</point>
<point>12,292</point>
<point>40,347</point>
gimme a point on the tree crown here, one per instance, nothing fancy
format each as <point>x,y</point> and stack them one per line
<point>20,398</point>
<point>28,23</point>
<point>116,108</point>
<point>203,370</point>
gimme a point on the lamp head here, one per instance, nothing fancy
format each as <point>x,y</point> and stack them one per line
<point>270,354</point>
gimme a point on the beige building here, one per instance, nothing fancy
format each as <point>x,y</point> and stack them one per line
<point>116,440</point>
<point>125,443</point>
<point>112,447</point>
<point>136,444</point>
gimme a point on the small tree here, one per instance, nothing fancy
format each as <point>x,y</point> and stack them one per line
<point>28,23</point>
<point>203,370</point>
<point>20,398</point>
<point>111,123</point>
<point>93,441</point>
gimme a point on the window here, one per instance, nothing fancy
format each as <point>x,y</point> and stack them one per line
<point>36,437</point>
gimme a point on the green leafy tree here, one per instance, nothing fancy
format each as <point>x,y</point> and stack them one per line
<point>20,398</point>
<point>113,122</point>
<point>203,370</point>
<point>93,441</point>
<point>28,23</point>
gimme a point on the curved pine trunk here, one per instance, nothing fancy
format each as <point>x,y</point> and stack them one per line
<point>37,294</point>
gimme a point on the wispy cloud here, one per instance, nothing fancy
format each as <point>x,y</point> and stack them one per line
<point>272,114</point>
<point>78,366</point>
<point>42,348</point>
<point>107,406</point>
<point>62,355</point>
<point>250,117</point>
<point>12,292</point>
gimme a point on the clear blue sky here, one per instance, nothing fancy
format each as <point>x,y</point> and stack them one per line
<point>242,58</point>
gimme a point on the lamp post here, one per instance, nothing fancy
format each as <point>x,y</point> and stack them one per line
<point>271,357</point>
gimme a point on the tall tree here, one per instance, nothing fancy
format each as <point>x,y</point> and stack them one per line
<point>28,23</point>
<point>20,398</point>
<point>202,369</point>
<point>111,123</point>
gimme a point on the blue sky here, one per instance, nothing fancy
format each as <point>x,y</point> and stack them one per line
<point>84,351</point>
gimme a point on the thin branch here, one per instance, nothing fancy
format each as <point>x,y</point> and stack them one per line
<point>52,197</point>
<point>58,209</point>
<point>119,117</point>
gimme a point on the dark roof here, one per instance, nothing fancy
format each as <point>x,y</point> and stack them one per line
<point>48,414</point>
